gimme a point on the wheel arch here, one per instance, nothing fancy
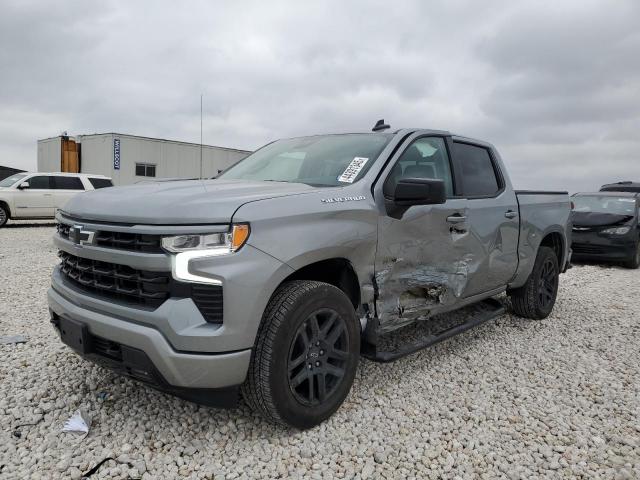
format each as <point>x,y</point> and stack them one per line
<point>5,205</point>
<point>555,241</point>
<point>554,238</point>
<point>336,271</point>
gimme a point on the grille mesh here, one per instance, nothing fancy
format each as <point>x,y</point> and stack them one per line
<point>589,249</point>
<point>116,281</point>
<point>139,287</point>
<point>137,242</point>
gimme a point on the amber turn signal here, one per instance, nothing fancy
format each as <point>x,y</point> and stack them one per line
<point>239,235</point>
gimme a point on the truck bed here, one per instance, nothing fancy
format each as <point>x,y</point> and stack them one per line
<point>541,212</point>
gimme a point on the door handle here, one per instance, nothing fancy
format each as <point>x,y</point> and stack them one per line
<point>456,218</point>
<point>510,214</point>
<point>47,194</point>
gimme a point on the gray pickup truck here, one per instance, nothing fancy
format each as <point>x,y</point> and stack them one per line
<point>273,279</point>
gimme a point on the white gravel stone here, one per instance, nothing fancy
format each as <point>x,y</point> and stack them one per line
<point>513,398</point>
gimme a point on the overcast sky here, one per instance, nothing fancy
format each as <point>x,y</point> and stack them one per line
<point>554,85</point>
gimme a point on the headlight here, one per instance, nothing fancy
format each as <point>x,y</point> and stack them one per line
<point>213,243</point>
<point>190,247</point>
<point>617,231</point>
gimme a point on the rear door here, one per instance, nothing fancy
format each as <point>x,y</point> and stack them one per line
<point>64,188</point>
<point>490,223</point>
<point>37,200</point>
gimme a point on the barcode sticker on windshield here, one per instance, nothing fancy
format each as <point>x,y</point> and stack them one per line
<point>351,172</point>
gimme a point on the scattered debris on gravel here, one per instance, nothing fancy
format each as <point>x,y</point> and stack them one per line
<point>513,398</point>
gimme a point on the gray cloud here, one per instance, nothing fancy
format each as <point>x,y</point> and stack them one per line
<point>555,86</point>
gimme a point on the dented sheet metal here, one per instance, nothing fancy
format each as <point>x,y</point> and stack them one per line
<point>408,292</point>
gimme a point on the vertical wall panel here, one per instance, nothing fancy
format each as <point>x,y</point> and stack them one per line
<point>172,159</point>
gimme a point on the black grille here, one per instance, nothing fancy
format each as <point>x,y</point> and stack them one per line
<point>208,299</point>
<point>63,229</point>
<point>137,242</point>
<point>106,348</point>
<point>139,287</point>
<point>116,281</point>
<point>587,249</point>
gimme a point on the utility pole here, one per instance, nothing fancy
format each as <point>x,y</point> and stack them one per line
<point>200,136</point>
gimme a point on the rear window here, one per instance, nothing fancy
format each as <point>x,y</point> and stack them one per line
<point>478,175</point>
<point>67,183</point>
<point>100,182</point>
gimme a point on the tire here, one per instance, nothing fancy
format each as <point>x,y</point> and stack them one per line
<point>634,261</point>
<point>536,298</point>
<point>4,215</point>
<point>288,368</point>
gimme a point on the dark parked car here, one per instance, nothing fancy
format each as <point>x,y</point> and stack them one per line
<point>605,227</point>
<point>621,187</point>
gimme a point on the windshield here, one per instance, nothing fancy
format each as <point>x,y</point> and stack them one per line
<point>604,204</point>
<point>324,160</point>
<point>7,182</point>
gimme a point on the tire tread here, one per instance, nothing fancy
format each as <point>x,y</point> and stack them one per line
<point>523,299</point>
<point>256,390</point>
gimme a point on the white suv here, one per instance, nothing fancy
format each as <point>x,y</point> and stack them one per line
<point>39,195</point>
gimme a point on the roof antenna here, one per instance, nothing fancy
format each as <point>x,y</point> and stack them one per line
<point>380,125</point>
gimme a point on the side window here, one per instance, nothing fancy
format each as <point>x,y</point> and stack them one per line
<point>477,175</point>
<point>425,158</point>
<point>67,183</point>
<point>145,170</point>
<point>39,183</point>
<point>100,182</point>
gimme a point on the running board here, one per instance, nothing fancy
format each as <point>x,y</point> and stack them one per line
<point>493,309</point>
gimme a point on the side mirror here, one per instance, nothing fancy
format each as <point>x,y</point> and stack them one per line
<point>23,185</point>
<point>419,191</point>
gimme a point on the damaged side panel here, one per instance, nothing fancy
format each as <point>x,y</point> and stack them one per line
<point>423,263</point>
<point>409,292</point>
<point>427,264</point>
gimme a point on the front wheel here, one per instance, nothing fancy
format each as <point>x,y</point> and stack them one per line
<point>634,261</point>
<point>306,355</point>
<point>536,298</point>
<point>4,215</point>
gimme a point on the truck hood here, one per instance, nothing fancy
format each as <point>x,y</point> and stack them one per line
<point>177,203</point>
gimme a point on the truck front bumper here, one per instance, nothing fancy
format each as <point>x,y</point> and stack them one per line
<point>143,353</point>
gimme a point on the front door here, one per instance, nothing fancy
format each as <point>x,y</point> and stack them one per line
<point>37,199</point>
<point>422,261</point>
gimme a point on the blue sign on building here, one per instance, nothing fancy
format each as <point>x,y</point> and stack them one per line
<point>116,154</point>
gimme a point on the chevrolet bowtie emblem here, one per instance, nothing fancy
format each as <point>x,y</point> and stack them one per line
<point>81,237</point>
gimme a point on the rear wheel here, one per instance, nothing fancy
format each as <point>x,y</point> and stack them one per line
<point>536,298</point>
<point>634,261</point>
<point>306,355</point>
<point>4,215</point>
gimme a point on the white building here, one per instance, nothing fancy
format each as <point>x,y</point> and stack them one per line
<point>129,159</point>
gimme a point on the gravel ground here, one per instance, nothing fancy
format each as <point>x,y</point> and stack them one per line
<point>512,399</point>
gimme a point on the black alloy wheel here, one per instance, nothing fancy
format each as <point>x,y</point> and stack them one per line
<point>318,356</point>
<point>548,283</point>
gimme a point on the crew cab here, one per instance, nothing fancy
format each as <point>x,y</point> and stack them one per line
<point>274,278</point>
<point>606,227</point>
<point>39,195</point>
